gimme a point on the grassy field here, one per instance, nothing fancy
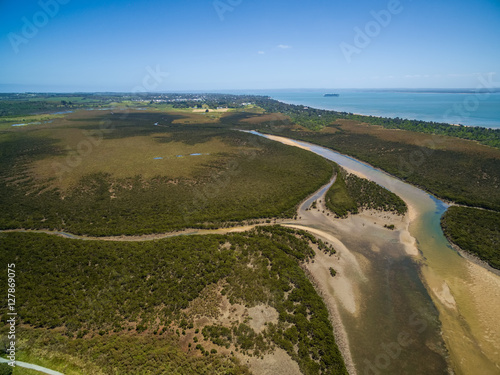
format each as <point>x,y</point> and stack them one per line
<point>130,307</point>
<point>95,173</point>
<point>91,150</point>
<point>30,120</point>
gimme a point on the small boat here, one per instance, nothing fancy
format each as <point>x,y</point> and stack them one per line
<point>329,95</point>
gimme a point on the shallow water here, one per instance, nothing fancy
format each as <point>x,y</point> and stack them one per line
<point>419,296</point>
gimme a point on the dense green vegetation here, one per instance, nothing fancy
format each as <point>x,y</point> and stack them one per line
<point>102,295</point>
<point>31,103</point>
<point>474,230</point>
<point>316,119</point>
<point>5,369</point>
<point>124,353</point>
<point>261,179</point>
<point>470,179</point>
<point>351,193</point>
<point>338,200</point>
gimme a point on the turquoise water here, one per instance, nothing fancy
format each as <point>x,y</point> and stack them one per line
<point>466,108</point>
<point>395,292</point>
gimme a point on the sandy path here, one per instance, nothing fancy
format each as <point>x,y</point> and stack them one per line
<point>145,237</point>
<point>33,367</point>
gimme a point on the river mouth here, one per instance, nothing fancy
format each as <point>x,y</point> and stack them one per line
<point>390,320</point>
<point>444,305</point>
<point>397,325</point>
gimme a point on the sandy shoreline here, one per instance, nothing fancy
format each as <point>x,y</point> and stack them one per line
<point>473,258</point>
<point>335,290</point>
<point>342,292</point>
<point>340,334</point>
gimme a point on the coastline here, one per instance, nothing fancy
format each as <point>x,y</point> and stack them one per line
<point>472,257</point>
<point>479,122</point>
<point>342,293</point>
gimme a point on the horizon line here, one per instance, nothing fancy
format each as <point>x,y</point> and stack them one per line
<point>224,91</point>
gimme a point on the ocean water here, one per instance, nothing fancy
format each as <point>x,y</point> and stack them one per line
<point>458,107</point>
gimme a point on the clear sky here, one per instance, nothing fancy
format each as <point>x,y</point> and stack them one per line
<point>118,45</point>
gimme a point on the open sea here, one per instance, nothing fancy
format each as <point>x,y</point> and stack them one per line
<point>464,107</point>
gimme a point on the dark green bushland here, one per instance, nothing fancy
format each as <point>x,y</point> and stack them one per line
<point>474,230</point>
<point>100,293</point>
<point>351,193</point>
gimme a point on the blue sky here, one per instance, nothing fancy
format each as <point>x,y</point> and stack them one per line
<point>89,45</point>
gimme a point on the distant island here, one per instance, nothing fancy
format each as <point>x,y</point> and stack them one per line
<point>328,95</point>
